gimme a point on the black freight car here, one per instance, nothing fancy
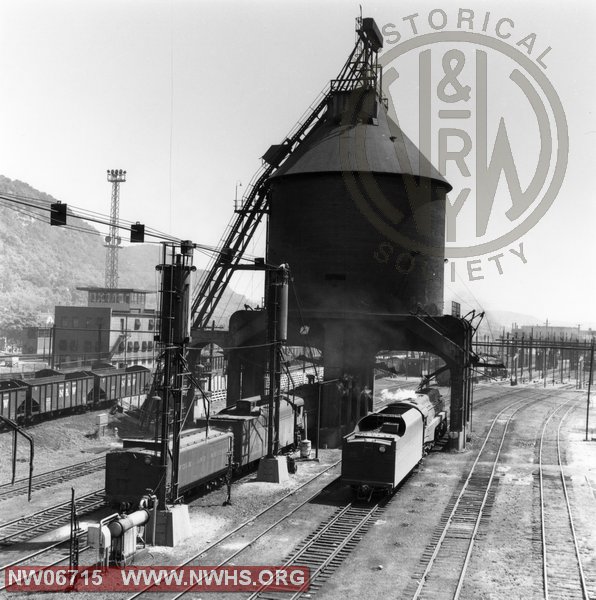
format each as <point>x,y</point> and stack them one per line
<point>52,393</point>
<point>13,395</point>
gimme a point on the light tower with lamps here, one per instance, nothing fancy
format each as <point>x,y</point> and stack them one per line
<point>115,177</point>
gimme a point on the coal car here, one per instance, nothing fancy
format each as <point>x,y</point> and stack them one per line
<point>51,393</point>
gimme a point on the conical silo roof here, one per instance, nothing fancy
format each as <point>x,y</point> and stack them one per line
<point>376,145</point>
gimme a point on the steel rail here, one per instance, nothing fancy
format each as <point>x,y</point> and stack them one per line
<point>341,519</point>
<point>543,526</point>
<point>61,512</point>
<point>241,526</point>
<point>49,478</point>
<point>39,553</point>
<point>515,406</point>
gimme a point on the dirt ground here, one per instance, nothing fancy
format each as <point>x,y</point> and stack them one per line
<point>59,443</point>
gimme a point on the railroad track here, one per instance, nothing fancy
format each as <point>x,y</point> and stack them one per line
<point>325,549</point>
<point>563,575</point>
<point>50,478</point>
<point>215,554</point>
<point>54,554</point>
<point>25,528</point>
<point>444,564</point>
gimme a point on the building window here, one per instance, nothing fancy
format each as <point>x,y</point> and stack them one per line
<point>149,345</point>
<point>129,346</point>
<point>121,347</point>
<point>144,346</point>
<point>65,322</point>
<point>122,324</point>
<point>136,346</point>
<point>151,324</point>
<point>137,324</point>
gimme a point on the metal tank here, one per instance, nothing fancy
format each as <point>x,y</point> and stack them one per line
<point>359,215</point>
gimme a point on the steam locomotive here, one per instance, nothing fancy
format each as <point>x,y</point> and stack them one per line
<point>386,445</point>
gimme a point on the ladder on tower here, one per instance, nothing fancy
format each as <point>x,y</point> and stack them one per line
<point>361,69</point>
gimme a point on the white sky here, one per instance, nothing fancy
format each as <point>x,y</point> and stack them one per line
<point>187,95</point>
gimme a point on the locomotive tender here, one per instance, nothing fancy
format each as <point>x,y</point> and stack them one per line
<point>204,454</point>
<point>387,444</point>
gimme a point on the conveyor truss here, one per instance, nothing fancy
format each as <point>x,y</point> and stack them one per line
<point>361,70</point>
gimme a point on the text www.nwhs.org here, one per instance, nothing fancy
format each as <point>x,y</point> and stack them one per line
<point>164,578</point>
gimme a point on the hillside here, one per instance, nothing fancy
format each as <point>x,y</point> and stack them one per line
<point>42,266</point>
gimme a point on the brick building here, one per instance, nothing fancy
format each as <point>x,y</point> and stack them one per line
<point>115,327</point>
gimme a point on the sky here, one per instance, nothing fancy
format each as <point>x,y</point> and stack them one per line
<point>186,96</point>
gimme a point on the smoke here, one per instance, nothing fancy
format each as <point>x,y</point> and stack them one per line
<point>390,396</point>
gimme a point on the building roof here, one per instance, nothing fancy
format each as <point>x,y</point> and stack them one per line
<point>115,290</point>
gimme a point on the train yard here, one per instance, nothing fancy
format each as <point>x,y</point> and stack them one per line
<point>414,457</point>
<point>509,517</point>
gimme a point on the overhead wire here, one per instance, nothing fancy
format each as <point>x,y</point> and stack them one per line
<point>478,303</point>
<point>92,217</point>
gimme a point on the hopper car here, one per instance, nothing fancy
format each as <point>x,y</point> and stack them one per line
<point>52,393</point>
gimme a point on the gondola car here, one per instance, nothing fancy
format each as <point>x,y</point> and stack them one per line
<point>386,445</point>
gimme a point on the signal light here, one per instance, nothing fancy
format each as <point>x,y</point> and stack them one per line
<point>137,233</point>
<point>58,214</point>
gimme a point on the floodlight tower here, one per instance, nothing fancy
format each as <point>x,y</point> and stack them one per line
<point>116,177</point>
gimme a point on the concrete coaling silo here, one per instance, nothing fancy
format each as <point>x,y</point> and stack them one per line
<point>359,215</point>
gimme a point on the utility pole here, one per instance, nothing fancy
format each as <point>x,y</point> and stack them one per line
<point>112,245</point>
<point>589,387</point>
